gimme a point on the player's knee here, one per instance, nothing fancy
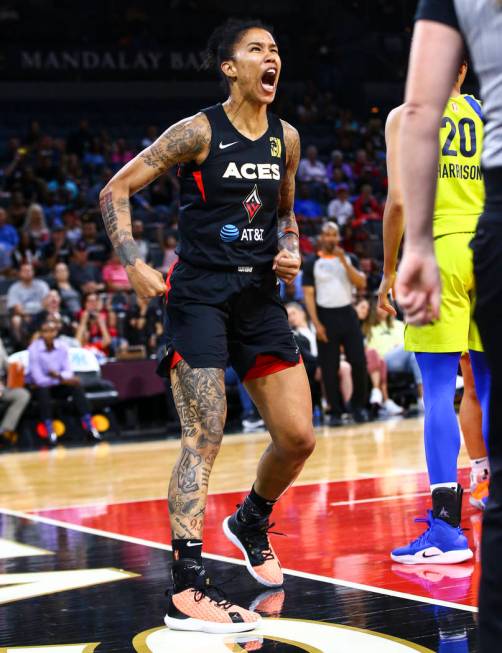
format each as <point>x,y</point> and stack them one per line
<point>300,443</point>
<point>212,431</point>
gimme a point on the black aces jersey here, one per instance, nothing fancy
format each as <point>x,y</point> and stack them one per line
<point>228,204</point>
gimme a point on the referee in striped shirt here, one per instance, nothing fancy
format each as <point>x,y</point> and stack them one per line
<point>443,28</point>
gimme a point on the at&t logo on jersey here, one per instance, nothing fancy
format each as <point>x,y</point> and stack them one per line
<point>252,171</point>
<point>229,233</point>
<point>255,235</point>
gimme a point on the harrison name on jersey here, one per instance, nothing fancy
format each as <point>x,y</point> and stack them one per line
<point>252,171</point>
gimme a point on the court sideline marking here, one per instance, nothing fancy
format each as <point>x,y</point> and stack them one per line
<point>301,574</point>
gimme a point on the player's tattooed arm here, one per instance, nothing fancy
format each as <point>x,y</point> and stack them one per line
<point>187,140</point>
<point>287,225</point>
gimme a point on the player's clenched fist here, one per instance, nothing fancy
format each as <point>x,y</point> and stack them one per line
<point>286,265</point>
<point>145,280</point>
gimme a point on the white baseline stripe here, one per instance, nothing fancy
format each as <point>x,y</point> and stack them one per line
<point>212,556</point>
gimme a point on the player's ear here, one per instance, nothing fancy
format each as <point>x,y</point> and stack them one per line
<point>228,69</point>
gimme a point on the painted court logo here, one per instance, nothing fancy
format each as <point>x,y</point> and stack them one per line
<point>252,203</point>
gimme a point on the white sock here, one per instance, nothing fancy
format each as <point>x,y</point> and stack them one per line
<point>451,486</point>
<point>480,467</point>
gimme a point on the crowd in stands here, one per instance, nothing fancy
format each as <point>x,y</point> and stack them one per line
<point>56,263</point>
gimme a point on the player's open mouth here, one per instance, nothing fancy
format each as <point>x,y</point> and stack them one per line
<point>268,80</point>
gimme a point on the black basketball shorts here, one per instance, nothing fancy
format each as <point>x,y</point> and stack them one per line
<point>219,318</point>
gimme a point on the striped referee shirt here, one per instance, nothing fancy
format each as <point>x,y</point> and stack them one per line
<point>480,23</point>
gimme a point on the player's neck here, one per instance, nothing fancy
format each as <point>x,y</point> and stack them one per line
<point>247,117</point>
<point>456,92</point>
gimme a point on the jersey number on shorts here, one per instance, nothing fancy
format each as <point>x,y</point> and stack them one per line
<point>464,125</point>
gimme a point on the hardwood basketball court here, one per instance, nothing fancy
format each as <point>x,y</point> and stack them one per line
<point>84,549</point>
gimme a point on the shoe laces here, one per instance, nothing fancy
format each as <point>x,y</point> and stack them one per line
<point>429,520</point>
<point>424,520</point>
<point>213,593</point>
<point>256,535</point>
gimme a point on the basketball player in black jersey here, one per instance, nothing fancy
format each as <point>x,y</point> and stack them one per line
<point>238,234</point>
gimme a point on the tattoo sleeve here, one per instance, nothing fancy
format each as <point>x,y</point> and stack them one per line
<point>287,227</point>
<point>199,395</point>
<point>182,142</point>
<point>117,220</point>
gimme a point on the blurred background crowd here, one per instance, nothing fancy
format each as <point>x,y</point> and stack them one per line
<point>56,263</point>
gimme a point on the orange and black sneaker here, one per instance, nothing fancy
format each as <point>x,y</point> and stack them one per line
<point>252,539</point>
<point>479,489</point>
<point>197,605</point>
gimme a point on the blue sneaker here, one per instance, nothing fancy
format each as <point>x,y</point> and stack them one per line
<point>440,544</point>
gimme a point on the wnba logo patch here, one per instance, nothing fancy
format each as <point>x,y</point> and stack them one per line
<point>229,233</point>
<point>275,146</point>
<point>252,203</point>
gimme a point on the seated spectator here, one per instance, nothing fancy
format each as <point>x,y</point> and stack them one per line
<point>143,247</point>
<point>373,273</point>
<point>97,245</point>
<point>297,319</point>
<point>364,169</point>
<point>52,312</point>
<point>115,276</point>
<point>53,208</point>
<point>84,276</point>
<point>121,154</point>
<point>9,238</point>
<point>52,377</point>
<point>377,366</point>
<point>17,209</point>
<point>72,226</point>
<point>26,252</point>
<point>16,399</point>
<point>341,209</point>
<point>70,298</point>
<point>366,207</point>
<point>94,159</point>
<point>24,300</point>
<point>311,169</point>
<point>306,341</point>
<point>35,224</point>
<point>57,250</point>
<point>62,181</point>
<point>170,256</point>
<point>387,338</point>
<point>337,163</point>
<point>144,324</point>
<point>93,330</point>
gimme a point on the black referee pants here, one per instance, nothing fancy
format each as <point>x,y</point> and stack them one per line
<point>343,329</point>
<point>487,247</point>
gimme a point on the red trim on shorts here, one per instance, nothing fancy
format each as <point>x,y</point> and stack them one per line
<point>176,358</point>
<point>197,175</point>
<point>266,364</point>
<point>168,278</point>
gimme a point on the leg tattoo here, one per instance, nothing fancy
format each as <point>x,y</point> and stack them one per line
<point>201,403</point>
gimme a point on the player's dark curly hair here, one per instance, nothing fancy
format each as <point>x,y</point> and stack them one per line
<point>222,41</point>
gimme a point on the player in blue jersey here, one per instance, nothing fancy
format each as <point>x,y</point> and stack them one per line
<point>238,234</point>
